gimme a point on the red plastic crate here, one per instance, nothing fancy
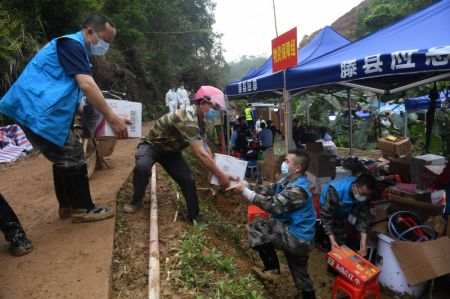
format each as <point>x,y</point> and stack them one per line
<point>255,212</point>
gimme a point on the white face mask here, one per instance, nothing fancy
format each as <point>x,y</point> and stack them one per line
<point>358,196</point>
<point>100,48</point>
<point>284,169</point>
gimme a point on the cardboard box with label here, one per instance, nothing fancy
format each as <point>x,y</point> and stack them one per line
<point>230,165</point>
<point>392,146</point>
<point>352,266</point>
<point>95,124</point>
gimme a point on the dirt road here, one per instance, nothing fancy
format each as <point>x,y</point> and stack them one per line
<point>69,260</point>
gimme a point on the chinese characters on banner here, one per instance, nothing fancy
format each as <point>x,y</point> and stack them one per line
<point>437,56</point>
<point>247,86</point>
<point>284,50</point>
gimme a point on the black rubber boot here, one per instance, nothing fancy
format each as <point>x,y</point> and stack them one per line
<point>63,200</point>
<point>19,243</point>
<point>309,294</point>
<point>76,184</point>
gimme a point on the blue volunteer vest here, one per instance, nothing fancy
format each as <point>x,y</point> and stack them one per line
<point>342,186</point>
<point>45,98</point>
<point>301,221</point>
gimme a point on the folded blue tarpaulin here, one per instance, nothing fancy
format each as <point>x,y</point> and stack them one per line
<point>262,79</point>
<point>412,49</point>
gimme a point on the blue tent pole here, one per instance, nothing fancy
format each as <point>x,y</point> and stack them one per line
<point>349,99</point>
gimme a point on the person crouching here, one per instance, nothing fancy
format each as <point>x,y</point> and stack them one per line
<point>291,227</point>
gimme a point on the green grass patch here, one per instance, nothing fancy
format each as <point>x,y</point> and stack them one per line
<point>205,270</point>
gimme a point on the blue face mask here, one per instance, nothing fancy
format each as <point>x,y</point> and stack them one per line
<point>284,170</point>
<point>100,48</point>
<point>211,114</point>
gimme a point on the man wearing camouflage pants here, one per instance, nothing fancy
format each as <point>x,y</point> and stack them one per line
<point>291,227</point>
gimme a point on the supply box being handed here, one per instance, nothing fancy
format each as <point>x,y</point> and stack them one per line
<point>352,266</point>
<point>95,124</point>
<point>229,165</point>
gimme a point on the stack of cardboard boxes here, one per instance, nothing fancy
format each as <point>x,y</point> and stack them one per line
<point>322,166</point>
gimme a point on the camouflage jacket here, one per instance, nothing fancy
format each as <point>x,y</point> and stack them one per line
<point>332,205</point>
<point>289,199</point>
<point>175,131</point>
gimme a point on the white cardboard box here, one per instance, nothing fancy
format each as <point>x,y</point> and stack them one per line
<point>229,165</point>
<point>95,124</point>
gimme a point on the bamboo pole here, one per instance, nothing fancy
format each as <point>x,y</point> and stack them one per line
<point>154,287</point>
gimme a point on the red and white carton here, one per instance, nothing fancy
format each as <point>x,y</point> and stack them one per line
<point>95,124</point>
<point>352,266</point>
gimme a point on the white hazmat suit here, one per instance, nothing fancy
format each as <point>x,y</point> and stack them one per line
<point>183,97</point>
<point>172,100</point>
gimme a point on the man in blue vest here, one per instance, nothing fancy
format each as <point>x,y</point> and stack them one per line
<point>345,201</point>
<point>44,100</point>
<point>291,227</point>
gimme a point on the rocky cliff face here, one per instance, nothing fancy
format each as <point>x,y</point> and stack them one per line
<point>345,25</point>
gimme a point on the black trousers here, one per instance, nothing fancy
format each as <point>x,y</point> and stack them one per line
<point>8,219</point>
<point>176,167</point>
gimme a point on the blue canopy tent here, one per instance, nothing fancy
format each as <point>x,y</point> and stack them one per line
<point>411,52</point>
<point>423,102</point>
<point>263,80</point>
<point>408,53</point>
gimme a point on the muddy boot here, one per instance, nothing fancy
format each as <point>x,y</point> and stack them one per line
<point>18,241</point>
<point>65,208</point>
<point>132,207</point>
<point>308,294</point>
<point>269,275</point>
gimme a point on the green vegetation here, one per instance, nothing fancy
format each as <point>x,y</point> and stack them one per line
<point>158,43</point>
<point>241,67</point>
<point>208,272</point>
<point>380,13</point>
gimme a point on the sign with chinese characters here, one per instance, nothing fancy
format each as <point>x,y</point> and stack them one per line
<point>284,50</point>
<point>378,64</point>
<point>247,86</point>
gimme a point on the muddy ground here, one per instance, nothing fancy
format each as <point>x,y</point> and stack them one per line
<point>232,210</point>
<point>90,261</point>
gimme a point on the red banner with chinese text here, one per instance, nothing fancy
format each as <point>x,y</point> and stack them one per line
<point>284,50</point>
